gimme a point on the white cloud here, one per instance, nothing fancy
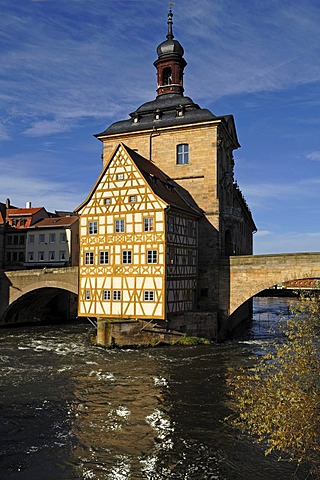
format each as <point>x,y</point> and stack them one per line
<point>4,135</point>
<point>47,127</point>
<point>63,67</point>
<point>53,195</point>
<point>256,192</point>
<point>314,155</point>
<point>262,233</point>
<point>287,242</point>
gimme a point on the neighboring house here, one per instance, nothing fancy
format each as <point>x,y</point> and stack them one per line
<point>18,220</point>
<point>53,242</point>
<point>138,243</point>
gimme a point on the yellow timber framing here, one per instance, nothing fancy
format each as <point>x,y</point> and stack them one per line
<point>131,279</point>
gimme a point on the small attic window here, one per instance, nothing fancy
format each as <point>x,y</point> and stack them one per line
<point>180,111</point>
<point>120,176</point>
<point>132,198</point>
<point>157,115</point>
<point>135,118</point>
<point>107,201</point>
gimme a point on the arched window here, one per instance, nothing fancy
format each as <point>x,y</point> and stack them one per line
<point>166,76</point>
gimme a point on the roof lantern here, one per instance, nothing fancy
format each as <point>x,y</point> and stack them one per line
<point>170,63</point>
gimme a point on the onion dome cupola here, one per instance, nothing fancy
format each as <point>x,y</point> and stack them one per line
<point>170,63</point>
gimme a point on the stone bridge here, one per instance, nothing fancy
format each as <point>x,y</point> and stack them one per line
<point>241,277</point>
<point>26,294</point>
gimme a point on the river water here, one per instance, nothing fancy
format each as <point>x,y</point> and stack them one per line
<point>70,411</point>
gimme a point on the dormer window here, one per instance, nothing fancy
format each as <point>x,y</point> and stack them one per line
<point>180,111</point>
<point>157,115</point>
<point>135,118</point>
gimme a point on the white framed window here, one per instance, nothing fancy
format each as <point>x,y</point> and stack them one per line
<point>119,226</point>
<point>116,295</point>
<point>104,258</point>
<point>148,295</point>
<point>152,256</point>
<point>51,255</point>
<point>31,239</point>
<point>106,294</point>
<point>41,256</point>
<point>182,154</point>
<point>41,238</point>
<point>126,256</point>
<point>93,228</point>
<point>89,258</point>
<point>62,255</point>
<point>63,237</point>
<point>88,294</point>
<point>120,176</point>
<point>52,238</point>
<point>132,198</point>
<point>148,224</point>
<point>30,257</point>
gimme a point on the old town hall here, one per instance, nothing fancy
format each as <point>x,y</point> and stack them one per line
<point>165,211</point>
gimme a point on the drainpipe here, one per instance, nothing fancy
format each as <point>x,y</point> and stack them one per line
<point>154,133</point>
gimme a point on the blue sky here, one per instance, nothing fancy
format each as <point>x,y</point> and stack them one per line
<point>69,68</point>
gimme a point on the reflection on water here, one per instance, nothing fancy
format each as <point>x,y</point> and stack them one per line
<point>70,411</point>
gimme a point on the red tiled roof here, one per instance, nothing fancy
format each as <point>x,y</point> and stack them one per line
<point>23,211</point>
<point>56,222</point>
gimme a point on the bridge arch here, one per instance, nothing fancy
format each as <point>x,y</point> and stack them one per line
<point>34,294</point>
<point>249,275</point>
<point>57,284</point>
<point>45,304</point>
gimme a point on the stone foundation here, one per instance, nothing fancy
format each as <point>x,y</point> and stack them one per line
<point>196,324</point>
<point>133,333</point>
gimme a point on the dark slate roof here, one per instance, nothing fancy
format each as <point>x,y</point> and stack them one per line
<point>163,186</point>
<point>166,105</point>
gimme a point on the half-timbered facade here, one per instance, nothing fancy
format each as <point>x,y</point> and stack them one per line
<point>138,243</point>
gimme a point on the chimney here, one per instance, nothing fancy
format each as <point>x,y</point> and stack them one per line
<point>28,204</point>
<point>8,203</point>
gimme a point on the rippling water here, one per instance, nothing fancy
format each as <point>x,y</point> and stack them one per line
<point>69,411</point>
